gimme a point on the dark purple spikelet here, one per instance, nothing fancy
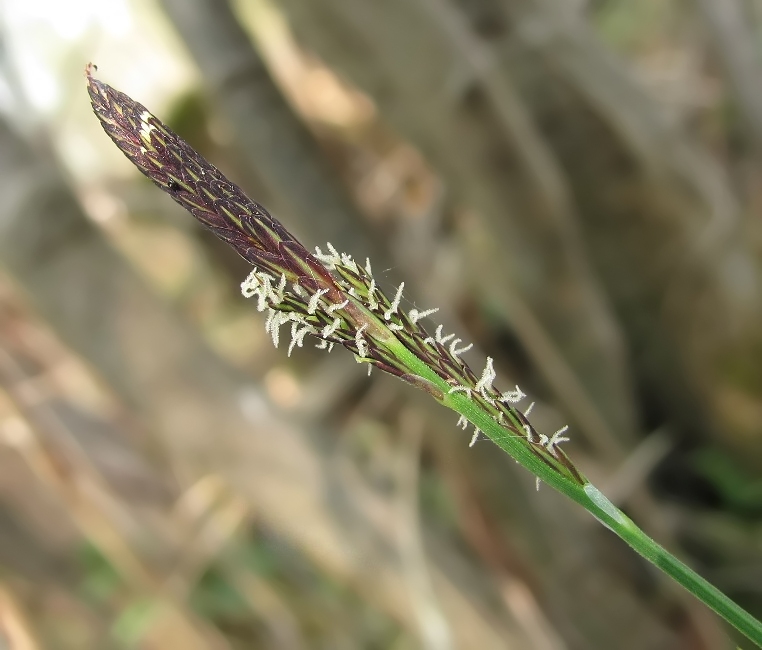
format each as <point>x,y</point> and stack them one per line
<point>199,187</point>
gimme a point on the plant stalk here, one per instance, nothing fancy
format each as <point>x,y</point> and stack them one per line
<point>590,498</point>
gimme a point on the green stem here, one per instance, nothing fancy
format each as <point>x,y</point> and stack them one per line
<point>658,556</point>
<point>590,498</point>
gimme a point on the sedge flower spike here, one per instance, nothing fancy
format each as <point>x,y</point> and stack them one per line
<point>328,296</point>
<point>332,298</point>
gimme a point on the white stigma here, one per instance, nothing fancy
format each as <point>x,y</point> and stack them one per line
<point>513,396</point>
<point>439,336</point>
<point>328,330</point>
<point>372,302</point>
<point>395,303</point>
<point>264,291</point>
<point>330,259</point>
<point>416,315</point>
<point>297,336</point>
<point>312,305</point>
<point>280,290</point>
<point>475,437</point>
<point>337,305</point>
<point>456,353</point>
<point>362,345</point>
<point>347,261</point>
<point>270,315</point>
<point>250,285</point>
<point>557,438</point>
<point>484,385</point>
<point>274,323</point>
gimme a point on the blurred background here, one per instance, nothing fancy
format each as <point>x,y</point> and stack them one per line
<point>576,184</point>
